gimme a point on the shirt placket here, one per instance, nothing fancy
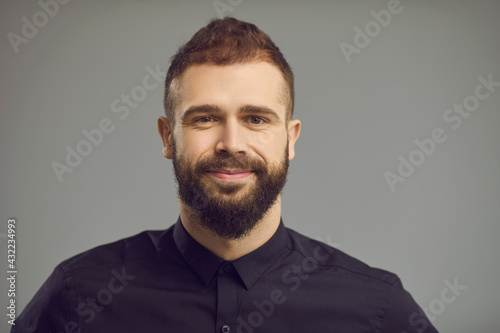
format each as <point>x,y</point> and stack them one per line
<point>227,298</point>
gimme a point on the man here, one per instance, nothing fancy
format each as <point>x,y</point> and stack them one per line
<point>228,264</point>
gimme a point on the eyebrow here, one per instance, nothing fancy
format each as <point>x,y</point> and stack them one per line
<point>262,110</point>
<point>205,108</point>
<point>214,109</point>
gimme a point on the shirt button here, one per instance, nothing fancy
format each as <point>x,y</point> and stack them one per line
<point>225,328</point>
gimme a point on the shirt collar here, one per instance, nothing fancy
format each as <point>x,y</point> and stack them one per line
<point>250,267</point>
<point>204,262</point>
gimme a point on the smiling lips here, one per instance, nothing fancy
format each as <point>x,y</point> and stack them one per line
<point>228,174</point>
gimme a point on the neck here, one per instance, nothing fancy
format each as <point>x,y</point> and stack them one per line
<point>230,249</point>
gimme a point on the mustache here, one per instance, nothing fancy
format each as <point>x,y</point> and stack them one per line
<point>228,161</point>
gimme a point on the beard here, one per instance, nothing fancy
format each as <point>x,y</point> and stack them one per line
<point>219,207</point>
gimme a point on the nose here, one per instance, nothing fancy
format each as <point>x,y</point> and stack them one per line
<point>231,138</point>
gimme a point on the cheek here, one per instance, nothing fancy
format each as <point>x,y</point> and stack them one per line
<point>264,139</point>
<point>194,146</point>
<point>271,146</point>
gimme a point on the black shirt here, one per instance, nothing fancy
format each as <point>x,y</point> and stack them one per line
<point>164,281</point>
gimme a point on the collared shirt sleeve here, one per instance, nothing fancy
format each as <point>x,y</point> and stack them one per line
<point>404,315</point>
<point>48,309</point>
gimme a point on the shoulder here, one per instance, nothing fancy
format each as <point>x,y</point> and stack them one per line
<point>375,290</point>
<point>333,259</point>
<point>85,274</point>
<point>134,248</point>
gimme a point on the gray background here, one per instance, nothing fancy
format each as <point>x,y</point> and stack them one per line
<point>442,223</point>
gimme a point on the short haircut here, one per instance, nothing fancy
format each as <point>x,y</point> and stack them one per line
<point>225,42</point>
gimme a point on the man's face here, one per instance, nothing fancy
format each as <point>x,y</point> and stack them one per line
<point>231,144</point>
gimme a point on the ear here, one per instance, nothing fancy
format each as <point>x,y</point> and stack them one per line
<point>293,135</point>
<point>165,131</point>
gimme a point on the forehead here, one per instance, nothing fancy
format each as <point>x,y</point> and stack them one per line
<point>232,86</point>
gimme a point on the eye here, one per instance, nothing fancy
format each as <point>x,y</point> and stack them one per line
<point>205,119</point>
<point>256,120</point>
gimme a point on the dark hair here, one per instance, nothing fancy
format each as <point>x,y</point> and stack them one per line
<point>223,42</point>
